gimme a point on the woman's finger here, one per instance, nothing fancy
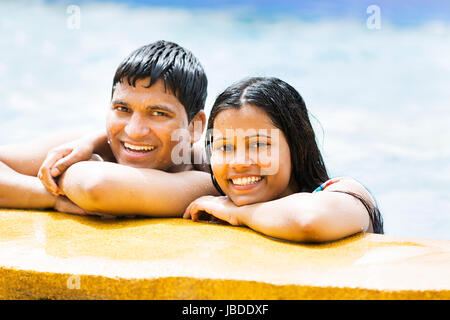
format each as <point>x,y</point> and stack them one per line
<point>187,212</point>
<point>194,212</point>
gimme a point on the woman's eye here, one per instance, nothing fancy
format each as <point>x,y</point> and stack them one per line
<point>226,148</point>
<point>258,144</point>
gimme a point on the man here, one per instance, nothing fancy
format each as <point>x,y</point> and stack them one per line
<point>158,90</point>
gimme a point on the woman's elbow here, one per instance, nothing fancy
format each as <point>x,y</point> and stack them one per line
<point>308,228</point>
<point>317,228</point>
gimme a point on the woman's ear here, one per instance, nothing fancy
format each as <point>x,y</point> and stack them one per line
<point>196,126</point>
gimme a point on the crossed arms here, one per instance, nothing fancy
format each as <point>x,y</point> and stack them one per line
<point>114,189</point>
<point>117,189</point>
<point>90,186</point>
<point>305,217</point>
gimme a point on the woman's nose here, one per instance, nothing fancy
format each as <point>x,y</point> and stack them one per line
<point>241,160</point>
<point>137,127</point>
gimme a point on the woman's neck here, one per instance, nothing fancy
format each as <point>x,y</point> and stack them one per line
<point>291,189</point>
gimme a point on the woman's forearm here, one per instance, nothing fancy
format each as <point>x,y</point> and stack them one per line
<point>283,218</point>
<point>309,217</point>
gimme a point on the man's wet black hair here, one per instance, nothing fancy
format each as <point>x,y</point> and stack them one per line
<point>180,70</point>
<point>287,110</point>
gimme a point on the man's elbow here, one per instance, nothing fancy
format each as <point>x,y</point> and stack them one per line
<point>84,187</point>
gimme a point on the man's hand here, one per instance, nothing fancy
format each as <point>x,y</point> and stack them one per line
<point>60,158</point>
<point>62,204</point>
<point>220,207</point>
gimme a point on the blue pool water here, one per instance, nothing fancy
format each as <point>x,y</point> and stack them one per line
<point>382,96</point>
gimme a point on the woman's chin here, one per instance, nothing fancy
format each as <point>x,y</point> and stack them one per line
<point>245,200</point>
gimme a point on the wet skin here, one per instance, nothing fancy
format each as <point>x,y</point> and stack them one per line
<point>240,161</point>
<point>140,124</point>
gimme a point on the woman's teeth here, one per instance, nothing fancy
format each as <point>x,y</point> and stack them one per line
<point>132,147</point>
<point>246,180</point>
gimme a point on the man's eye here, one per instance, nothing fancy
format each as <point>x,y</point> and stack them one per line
<point>122,109</point>
<point>159,114</point>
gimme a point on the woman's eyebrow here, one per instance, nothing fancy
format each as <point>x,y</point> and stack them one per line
<point>258,135</point>
<point>247,137</point>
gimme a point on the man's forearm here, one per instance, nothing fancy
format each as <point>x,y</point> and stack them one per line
<point>22,191</point>
<point>121,190</point>
<point>19,166</point>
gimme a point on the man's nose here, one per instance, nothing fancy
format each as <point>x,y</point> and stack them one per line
<point>137,127</point>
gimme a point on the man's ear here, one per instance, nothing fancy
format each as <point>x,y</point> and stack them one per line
<point>196,126</point>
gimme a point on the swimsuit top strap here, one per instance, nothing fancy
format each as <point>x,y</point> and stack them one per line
<point>328,183</point>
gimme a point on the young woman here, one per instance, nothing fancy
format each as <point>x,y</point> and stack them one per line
<point>265,161</point>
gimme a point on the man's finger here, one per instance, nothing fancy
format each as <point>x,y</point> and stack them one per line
<point>62,164</point>
<point>45,176</point>
<point>101,215</point>
<point>67,206</point>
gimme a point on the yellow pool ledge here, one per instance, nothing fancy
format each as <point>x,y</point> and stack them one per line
<point>50,255</point>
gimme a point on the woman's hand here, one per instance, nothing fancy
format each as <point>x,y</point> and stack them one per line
<point>219,207</point>
<point>60,158</point>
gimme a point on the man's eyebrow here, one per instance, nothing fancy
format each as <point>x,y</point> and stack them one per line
<point>159,107</point>
<point>151,107</point>
<point>119,102</point>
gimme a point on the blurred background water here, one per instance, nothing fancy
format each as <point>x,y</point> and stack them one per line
<point>379,89</point>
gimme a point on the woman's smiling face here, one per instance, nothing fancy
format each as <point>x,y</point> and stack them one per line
<point>250,157</point>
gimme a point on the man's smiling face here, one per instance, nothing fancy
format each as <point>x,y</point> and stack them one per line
<point>140,123</point>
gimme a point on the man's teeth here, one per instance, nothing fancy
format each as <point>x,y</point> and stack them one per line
<point>138,148</point>
<point>246,180</point>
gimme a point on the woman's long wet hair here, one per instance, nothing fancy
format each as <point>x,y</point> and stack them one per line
<point>288,112</point>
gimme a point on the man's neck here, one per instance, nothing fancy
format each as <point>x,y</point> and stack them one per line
<point>180,168</point>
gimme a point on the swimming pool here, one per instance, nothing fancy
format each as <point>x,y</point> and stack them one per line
<point>381,95</point>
